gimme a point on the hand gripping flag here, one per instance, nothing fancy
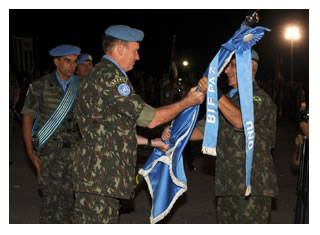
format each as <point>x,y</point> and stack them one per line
<point>164,172</point>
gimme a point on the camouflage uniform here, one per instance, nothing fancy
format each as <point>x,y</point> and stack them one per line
<point>55,180</point>
<point>230,164</point>
<point>107,111</point>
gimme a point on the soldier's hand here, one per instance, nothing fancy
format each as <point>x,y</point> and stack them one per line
<point>165,133</point>
<point>194,97</point>
<point>36,161</point>
<point>158,143</point>
<point>203,84</point>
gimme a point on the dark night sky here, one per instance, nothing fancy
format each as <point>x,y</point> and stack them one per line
<point>199,34</point>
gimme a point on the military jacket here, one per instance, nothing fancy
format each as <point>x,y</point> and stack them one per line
<point>231,155</point>
<point>107,111</point>
<point>44,95</point>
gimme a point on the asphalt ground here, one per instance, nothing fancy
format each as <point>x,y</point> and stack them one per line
<point>196,206</point>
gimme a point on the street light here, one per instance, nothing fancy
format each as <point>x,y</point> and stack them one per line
<point>185,63</point>
<point>292,34</point>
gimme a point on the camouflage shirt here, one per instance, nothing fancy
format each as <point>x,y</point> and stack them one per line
<point>231,155</point>
<point>107,111</point>
<point>44,95</point>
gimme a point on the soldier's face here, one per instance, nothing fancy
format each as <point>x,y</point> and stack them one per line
<point>130,56</point>
<point>231,72</point>
<point>84,68</point>
<point>66,65</point>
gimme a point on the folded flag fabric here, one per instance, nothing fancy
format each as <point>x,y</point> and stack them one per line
<point>164,172</point>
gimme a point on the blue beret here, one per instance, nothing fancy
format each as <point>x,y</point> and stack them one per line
<point>254,55</point>
<point>124,32</point>
<point>65,50</point>
<point>84,57</point>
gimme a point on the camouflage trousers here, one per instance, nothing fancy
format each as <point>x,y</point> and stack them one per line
<point>239,210</point>
<point>96,209</point>
<point>55,182</point>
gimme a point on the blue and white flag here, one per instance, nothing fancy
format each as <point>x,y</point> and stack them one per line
<point>164,172</point>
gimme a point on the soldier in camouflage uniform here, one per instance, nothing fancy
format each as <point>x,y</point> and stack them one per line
<point>53,161</point>
<point>84,65</point>
<point>108,110</point>
<point>232,205</point>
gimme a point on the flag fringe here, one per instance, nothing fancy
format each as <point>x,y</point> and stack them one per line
<point>209,150</point>
<point>248,191</point>
<point>167,211</point>
<point>167,159</point>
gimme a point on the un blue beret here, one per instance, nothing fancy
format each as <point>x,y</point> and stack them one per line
<point>124,32</point>
<point>84,57</point>
<point>254,55</point>
<point>64,50</point>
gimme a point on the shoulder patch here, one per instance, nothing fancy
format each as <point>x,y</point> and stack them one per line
<point>259,99</point>
<point>118,80</point>
<point>124,89</point>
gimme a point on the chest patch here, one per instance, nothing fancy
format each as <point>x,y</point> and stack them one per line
<point>259,99</point>
<point>124,89</point>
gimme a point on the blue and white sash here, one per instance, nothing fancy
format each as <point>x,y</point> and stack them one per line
<point>53,122</point>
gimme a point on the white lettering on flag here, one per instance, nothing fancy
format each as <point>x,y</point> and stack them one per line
<point>250,134</point>
<point>211,105</point>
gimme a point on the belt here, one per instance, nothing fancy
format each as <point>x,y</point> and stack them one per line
<point>60,144</point>
<point>50,144</point>
<point>53,144</point>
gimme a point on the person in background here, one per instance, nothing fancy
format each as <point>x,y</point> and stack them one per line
<point>84,65</point>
